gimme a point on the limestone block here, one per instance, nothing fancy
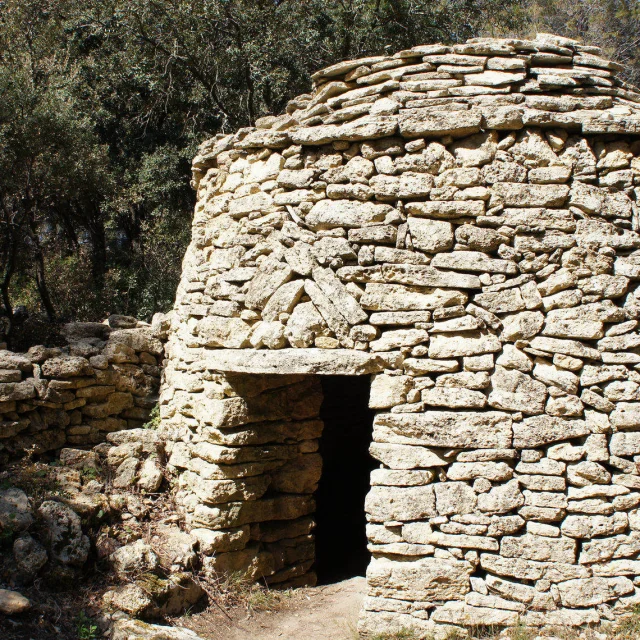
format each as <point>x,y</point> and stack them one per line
<point>466,344</point>
<point>485,240</point>
<point>540,430</point>
<point>455,325</point>
<point>516,391</point>
<point>220,491</point>
<point>445,210</point>
<point>520,195</point>
<point>114,404</point>
<point>400,503</point>
<point>328,214</point>
<point>508,301</point>
<point>545,466</point>
<point>586,473</point>
<point>283,300</point>
<point>494,471</point>
<point>406,185</point>
<point>502,498</point>
<point>399,456</point>
<point>454,498</point>
<point>473,261</point>
<point>300,361</point>
<point>401,478</point>
<point>399,338</point>
<point>460,613</point>
<point>476,150</point>
<point>454,397</point>
<point>603,550</point>
<point>539,548</point>
<point>521,593</point>
<point>269,334</point>
<point>221,541</point>
<point>269,278</point>
<point>15,391</point>
<point>295,179</point>
<point>521,569</point>
<point>395,297</point>
<point>418,580</point>
<point>66,367</point>
<point>593,591</point>
<point>430,123</point>
<point>522,326</point>
<point>626,416</point>
<point>625,444</point>
<point>552,375</point>
<point>388,391</point>
<point>304,324</point>
<point>482,543</point>
<point>431,236</point>
<point>451,429</point>
<point>512,358</point>
<point>334,289</point>
<point>552,219</point>
<point>587,527</point>
<point>465,379</point>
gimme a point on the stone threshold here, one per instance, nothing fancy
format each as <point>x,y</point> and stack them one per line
<point>330,362</point>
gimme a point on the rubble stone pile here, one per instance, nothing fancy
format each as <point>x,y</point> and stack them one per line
<point>105,380</point>
<point>461,223</point>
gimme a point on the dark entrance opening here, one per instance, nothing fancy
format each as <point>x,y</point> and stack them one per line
<point>341,542</point>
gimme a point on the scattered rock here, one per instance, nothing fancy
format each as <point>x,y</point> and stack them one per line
<point>13,603</point>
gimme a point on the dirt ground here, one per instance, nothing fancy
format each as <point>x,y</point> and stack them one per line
<point>323,613</point>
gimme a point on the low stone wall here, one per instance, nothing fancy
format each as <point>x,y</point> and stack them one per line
<point>105,380</point>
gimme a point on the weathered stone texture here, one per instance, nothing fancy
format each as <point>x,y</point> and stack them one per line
<point>106,379</point>
<point>462,224</point>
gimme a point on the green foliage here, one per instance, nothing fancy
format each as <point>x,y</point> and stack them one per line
<point>154,418</point>
<point>85,627</point>
<point>104,104</point>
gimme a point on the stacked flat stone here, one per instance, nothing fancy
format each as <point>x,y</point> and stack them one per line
<point>461,223</point>
<point>105,380</point>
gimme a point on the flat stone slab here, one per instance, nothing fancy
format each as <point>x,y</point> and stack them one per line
<point>328,362</point>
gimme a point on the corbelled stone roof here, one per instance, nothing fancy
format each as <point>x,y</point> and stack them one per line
<point>436,90</point>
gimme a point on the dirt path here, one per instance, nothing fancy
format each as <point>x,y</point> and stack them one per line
<point>321,613</point>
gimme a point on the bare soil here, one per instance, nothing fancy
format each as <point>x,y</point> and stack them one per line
<point>329,612</point>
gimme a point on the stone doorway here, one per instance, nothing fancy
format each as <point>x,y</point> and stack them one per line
<point>271,456</point>
<point>341,541</point>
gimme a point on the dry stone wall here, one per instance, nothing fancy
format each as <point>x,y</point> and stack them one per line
<point>106,379</point>
<point>462,224</point>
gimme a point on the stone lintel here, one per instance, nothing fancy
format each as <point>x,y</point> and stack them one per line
<point>328,362</point>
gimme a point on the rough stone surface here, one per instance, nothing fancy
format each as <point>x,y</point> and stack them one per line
<point>106,379</point>
<point>461,223</point>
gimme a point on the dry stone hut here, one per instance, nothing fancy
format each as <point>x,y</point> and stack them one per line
<point>459,226</point>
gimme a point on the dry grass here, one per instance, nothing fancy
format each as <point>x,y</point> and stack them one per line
<point>237,590</point>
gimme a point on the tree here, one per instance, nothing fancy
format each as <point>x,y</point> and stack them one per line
<point>104,104</point>
<point>613,25</point>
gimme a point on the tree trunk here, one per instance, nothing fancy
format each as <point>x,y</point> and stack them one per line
<point>98,253</point>
<point>5,284</point>
<point>41,282</point>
